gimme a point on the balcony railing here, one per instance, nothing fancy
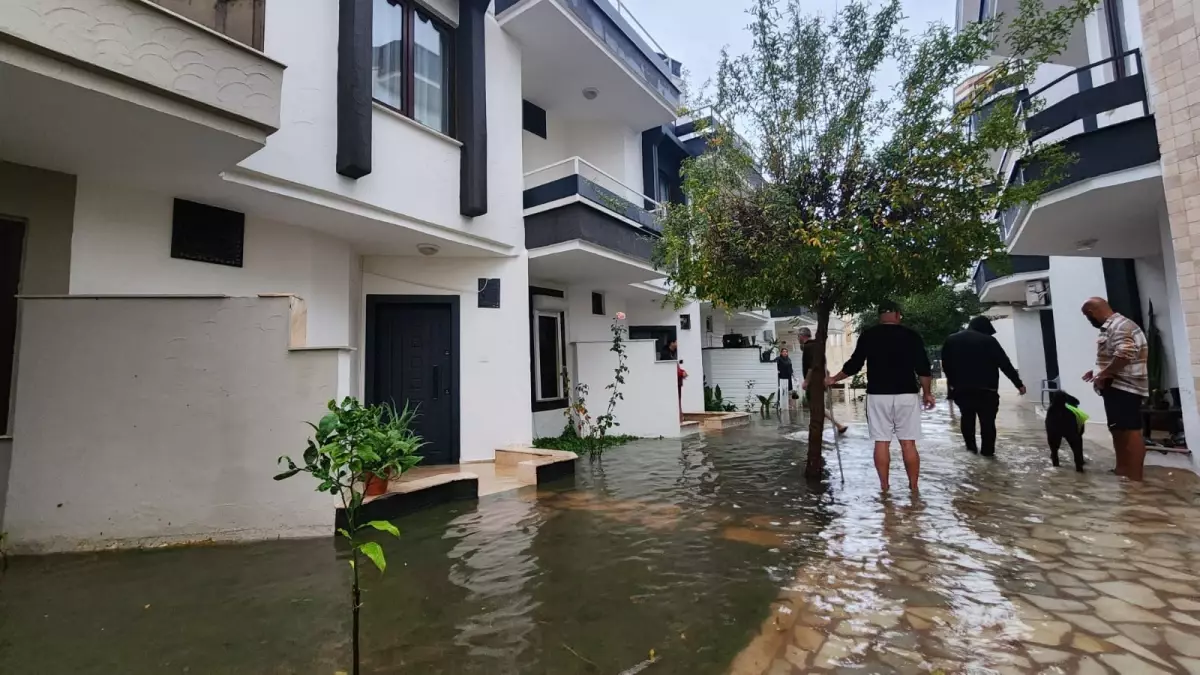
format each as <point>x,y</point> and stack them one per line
<point>576,176</point>
<point>240,20</point>
<point>626,39</point>
<point>1019,264</point>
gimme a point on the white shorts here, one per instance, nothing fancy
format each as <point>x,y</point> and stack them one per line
<point>894,416</point>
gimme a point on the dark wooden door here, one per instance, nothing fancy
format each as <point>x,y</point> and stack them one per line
<point>12,239</point>
<point>411,361</point>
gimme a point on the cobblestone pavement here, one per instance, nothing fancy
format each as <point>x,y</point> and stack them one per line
<point>1007,565</point>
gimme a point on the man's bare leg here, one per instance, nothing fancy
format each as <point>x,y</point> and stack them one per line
<point>912,462</point>
<point>883,462</point>
<point>1118,439</point>
<point>1135,453</point>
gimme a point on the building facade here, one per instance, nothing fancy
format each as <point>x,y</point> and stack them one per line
<point>1115,226</point>
<point>214,219</point>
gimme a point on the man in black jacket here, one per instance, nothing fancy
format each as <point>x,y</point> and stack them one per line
<point>972,360</point>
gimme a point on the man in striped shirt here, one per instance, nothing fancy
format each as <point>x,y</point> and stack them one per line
<point>1122,378</point>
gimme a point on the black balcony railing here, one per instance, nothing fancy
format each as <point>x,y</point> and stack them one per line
<point>1017,264</point>
<point>1125,89</point>
<point>240,20</point>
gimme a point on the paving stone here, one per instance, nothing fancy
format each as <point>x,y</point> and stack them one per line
<point>1129,665</point>
<point>1086,643</point>
<point>1176,587</point>
<point>1165,573</point>
<point>1186,644</point>
<point>833,651</point>
<point>796,656</point>
<point>1049,633</point>
<point>1085,593</point>
<point>807,638</point>
<point>1141,633</point>
<point>1090,624</point>
<point>1055,604</point>
<point>1090,666</point>
<point>1132,647</point>
<point>1112,609</point>
<point>1184,619</point>
<point>1135,594</point>
<point>1186,604</point>
<point>1063,579</point>
<point>1192,666</point>
<point>1046,656</point>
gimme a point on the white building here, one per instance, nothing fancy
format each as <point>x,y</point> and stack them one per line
<point>217,220</point>
<point>1106,229</point>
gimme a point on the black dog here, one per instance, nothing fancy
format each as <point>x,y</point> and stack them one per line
<point>1062,424</point>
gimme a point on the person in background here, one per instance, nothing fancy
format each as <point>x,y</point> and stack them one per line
<point>972,360</point>
<point>784,371</point>
<point>1122,378</point>
<point>807,345</point>
<point>896,357</point>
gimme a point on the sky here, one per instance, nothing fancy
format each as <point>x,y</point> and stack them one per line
<point>694,31</point>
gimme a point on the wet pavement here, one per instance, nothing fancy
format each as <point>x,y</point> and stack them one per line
<point>712,552</point>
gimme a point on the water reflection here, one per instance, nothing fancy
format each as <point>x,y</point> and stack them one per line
<point>712,552</point>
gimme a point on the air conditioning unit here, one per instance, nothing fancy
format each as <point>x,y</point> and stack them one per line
<point>1037,293</point>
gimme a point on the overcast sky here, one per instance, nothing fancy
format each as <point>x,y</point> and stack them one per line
<point>694,31</point>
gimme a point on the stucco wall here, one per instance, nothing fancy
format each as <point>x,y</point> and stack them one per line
<point>650,312</point>
<point>1072,281</point>
<point>415,172</point>
<point>650,408</point>
<point>614,149</point>
<point>137,423</point>
<point>1029,355</point>
<point>45,202</point>
<point>1152,287</point>
<point>494,343</point>
<point>122,245</point>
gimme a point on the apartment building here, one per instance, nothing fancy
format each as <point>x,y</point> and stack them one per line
<point>215,217</point>
<point>1116,225</point>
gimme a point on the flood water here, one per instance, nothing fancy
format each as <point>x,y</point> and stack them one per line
<point>712,552</point>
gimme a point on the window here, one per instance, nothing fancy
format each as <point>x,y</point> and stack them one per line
<point>411,65</point>
<point>548,346</point>
<point>598,304</point>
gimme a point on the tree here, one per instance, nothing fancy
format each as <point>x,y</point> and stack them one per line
<point>867,191</point>
<point>935,314</point>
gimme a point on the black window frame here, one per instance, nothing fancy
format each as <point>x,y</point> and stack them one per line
<point>598,302</point>
<point>409,11</point>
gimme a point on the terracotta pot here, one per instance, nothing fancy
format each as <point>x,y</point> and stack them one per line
<point>374,485</point>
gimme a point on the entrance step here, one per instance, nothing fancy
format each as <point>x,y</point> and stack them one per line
<point>717,421</point>
<point>688,428</point>
<point>535,466</point>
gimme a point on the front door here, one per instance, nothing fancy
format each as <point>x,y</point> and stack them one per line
<point>412,359</point>
<point>12,238</point>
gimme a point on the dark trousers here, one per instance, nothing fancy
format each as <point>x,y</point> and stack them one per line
<point>983,404</point>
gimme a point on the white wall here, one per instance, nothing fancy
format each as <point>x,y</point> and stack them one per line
<point>732,369</point>
<point>1072,281</point>
<point>122,245</point>
<point>1006,335</point>
<point>614,149</point>
<point>650,312</point>
<point>650,408</point>
<point>1029,352</point>
<point>1152,287</point>
<point>45,202</point>
<point>1185,362</point>
<point>143,421</point>
<point>415,173</point>
<point>494,343</point>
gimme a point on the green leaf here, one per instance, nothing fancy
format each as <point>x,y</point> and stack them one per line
<point>375,552</point>
<point>345,533</point>
<point>384,526</point>
<point>287,474</point>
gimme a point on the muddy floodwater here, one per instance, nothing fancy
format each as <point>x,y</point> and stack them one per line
<point>712,552</point>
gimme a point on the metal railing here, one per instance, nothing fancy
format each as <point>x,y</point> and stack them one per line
<point>644,34</point>
<point>578,166</point>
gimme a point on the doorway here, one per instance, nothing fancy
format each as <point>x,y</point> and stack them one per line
<point>412,359</point>
<point>12,241</point>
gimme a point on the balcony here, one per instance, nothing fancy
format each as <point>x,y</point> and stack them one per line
<point>969,11</point>
<point>568,46</point>
<point>130,87</point>
<point>584,225</point>
<point>992,286</point>
<point>1107,202</point>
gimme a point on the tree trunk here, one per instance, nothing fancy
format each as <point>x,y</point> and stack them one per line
<point>814,467</point>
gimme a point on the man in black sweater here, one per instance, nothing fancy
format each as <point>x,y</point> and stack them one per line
<point>895,357</point>
<point>972,360</point>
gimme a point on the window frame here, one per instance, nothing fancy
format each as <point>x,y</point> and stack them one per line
<point>408,11</point>
<point>559,356</point>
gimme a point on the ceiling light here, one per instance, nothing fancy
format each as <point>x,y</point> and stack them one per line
<point>428,249</point>
<point>1086,244</point>
<point>590,93</point>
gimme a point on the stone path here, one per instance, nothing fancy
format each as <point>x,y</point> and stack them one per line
<point>1007,566</point>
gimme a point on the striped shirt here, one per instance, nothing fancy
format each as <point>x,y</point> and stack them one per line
<point>1120,337</point>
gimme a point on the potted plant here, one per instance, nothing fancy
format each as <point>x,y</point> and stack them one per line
<point>351,444</point>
